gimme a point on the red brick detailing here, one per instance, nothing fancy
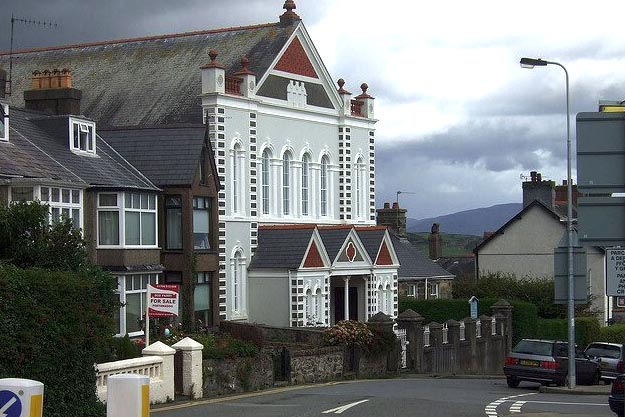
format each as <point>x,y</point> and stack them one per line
<point>313,260</point>
<point>296,61</point>
<point>384,257</point>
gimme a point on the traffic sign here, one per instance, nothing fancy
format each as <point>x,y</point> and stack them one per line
<point>10,404</point>
<point>615,272</point>
<point>601,221</point>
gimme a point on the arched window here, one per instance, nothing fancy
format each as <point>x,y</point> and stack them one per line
<point>324,185</point>
<point>381,299</point>
<point>358,187</point>
<point>286,183</point>
<point>310,307</point>
<point>238,282</point>
<point>266,161</point>
<point>320,306</point>
<point>388,308</point>
<point>305,184</point>
<point>236,180</point>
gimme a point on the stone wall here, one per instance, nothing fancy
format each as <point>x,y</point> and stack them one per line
<point>317,365</point>
<point>227,376</point>
<point>274,335</point>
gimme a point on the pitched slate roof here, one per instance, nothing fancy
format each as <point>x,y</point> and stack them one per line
<point>333,238</point>
<point>38,148</point>
<point>166,155</point>
<point>371,238</point>
<point>149,81</point>
<point>281,247</point>
<point>414,265</point>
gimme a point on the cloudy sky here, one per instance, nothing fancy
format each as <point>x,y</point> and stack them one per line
<point>460,121</point>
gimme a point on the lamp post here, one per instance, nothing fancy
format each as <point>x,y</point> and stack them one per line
<point>530,63</point>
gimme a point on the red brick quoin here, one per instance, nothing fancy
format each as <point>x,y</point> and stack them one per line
<point>295,61</point>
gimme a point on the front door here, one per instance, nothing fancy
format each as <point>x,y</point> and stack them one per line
<point>339,304</point>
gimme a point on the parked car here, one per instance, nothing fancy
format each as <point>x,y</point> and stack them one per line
<point>617,395</point>
<point>611,358</point>
<point>546,361</point>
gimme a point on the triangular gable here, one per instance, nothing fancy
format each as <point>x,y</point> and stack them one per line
<point>296,61</point>
<point>384,256</point>
<point>316,255</point>
<point>352,251</point>
<point>313,257</point>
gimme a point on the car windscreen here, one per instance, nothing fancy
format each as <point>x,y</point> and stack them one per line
<point>534,347</point>
<point>604,351</point>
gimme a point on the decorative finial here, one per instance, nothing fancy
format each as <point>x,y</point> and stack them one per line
<point>213,55</point>
<point>341,83</point>
<point>289,17</point>
<point>245,70</point>
<point>364,94</point>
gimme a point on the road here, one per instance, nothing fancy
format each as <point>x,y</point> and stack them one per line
<point>414,397</point>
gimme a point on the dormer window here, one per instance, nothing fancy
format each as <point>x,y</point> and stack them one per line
<point>4,121</point>
<point>82,136</point>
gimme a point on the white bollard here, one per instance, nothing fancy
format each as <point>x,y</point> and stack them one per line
<point>128,395</point>
<point>21,398</point>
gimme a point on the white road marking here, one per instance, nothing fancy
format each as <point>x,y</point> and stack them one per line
<point>6,406</point>
<point>566,403</point>
<point>516,407</point>
<point>339,410</point>
<point>491,409</point>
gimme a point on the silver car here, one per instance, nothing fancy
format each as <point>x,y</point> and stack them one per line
<point>610,356</point>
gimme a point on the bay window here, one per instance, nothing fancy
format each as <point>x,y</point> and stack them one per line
<point>64,203</point>
<point>202,298</point>
<point>132,291</point>
<point>127,217</point>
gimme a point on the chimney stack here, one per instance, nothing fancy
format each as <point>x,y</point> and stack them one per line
<point>393,218</point>
<point>537,189</point>
<point>52,92</point>
<point>435,242</point>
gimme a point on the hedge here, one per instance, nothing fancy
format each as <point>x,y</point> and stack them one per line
<point>612,334</point>
<point>54,325</point>
<point>587,329</point>
<point>524,314</point>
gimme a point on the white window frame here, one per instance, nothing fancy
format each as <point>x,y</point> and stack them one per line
<point>85,131</point>
<point>434,290</point>
<point>287,160</point>
<point>266,182</point>
<point>152,278</point>
<point>75,198</point>
<point>4,114</point>
<point>323,183</point>
<point>121,209</point>
<point>306,185</point>
<point>237,179</point>
<point>411,290</point>
<point>238,270</point>
<point>358,187</point>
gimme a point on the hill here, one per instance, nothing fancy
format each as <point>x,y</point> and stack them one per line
<point>469,222</point>
<point>453,245</point>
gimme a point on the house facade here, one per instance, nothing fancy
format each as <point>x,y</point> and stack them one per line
<point>291,147</point>
<point>525,245</point>
<point>60,160</point>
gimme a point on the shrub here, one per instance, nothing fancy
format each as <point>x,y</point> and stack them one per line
<point>612,334</point>
<point>587,329</point>
<point>53,326</point>
<point>349,333</point>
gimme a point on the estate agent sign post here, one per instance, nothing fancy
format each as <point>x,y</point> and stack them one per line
<point>162,302</point>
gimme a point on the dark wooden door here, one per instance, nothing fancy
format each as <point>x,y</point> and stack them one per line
<point>339,304</point>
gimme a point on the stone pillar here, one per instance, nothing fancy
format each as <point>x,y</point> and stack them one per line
<point>453,338</point>
<point>471,337</point>
<point>191,367</point>
<point>487,342</point>
<point>504,308</point>
<point>167,353</point>
<point>383,323</point>
<point>412,322</point>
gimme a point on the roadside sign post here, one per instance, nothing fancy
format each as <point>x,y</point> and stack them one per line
<point>162,301</point>
<point>474,303</point>
<point>21,398</point>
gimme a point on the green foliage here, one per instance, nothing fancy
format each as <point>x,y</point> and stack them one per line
<point>225,346</point>
<point>121,348</point>
<point>612,334</point>
<point>26,240</point>
<point>54,325</point>
<point>524,314</point>
<point>349,333</point>
<point>554,329</point>
<point>587,329</point>
<point>538,291</point>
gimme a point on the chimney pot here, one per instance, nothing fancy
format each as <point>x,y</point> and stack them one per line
<point>396,205</point>
<point>539,177</point>
<point>387,205</point>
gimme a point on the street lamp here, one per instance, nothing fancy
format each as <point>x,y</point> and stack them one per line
<point>530,63</point>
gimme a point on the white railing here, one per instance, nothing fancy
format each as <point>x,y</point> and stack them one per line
<point>478,328</point>
<point>493,326</point>
<point>426,336</point>
<point>445,334</point>
<point>151,366</point>
<point>462,331</point>
<point>401,335</point>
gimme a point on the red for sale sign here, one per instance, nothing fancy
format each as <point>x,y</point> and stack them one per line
<point>163,300</point>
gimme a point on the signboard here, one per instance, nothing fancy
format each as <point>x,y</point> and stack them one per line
<point>561,275</point>
<point>163,300</point>
<point>21,398</point>
<point>474,303</point>
<point>601,221</point>
<point>615,272</point>
<point>10,404</point>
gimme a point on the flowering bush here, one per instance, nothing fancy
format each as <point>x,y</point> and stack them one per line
<point>349,333</point>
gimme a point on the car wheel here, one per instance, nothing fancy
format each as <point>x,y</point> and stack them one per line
<point>512,382</point>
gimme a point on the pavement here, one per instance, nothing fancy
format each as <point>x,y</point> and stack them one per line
<point>599,389</point>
